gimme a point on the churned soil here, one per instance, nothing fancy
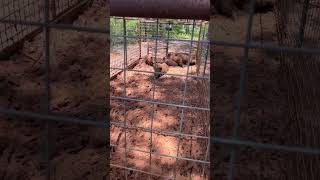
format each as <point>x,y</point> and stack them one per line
<point>263,105</point>
<point>164,119</point>
<point>78,68</point>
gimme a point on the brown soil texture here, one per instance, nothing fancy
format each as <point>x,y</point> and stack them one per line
<point>263,106</point>
<point>78,90</point>
<point>166,118</point>
<point>77,72</point>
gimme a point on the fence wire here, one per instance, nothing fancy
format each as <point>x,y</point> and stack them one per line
<point>29,11</point>
<point>10,25</point>
<point>151,37</point>
<point>40,15</point>
<point>298,26</point>
<point>297,29</point>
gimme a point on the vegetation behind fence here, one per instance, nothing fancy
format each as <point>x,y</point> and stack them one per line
<point>135,28</point>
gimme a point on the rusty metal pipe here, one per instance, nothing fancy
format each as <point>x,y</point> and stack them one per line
<point>170,9</point>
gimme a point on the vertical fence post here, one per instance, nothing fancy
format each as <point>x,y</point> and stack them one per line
<point>47,127</point>
<point>153,98</point>
<point>52,59</point>
<point>145,30</point>
<point>239,100</point>
<point>168,36</point>
<point>125,91</point>
<point>140,38</point>
<point>198,60</point>
<point>188,28</point>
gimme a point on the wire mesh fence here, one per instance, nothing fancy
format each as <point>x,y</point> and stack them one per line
<point>47,161</point>
<point>296,34</point>
<point>30,11</point>
<point>298,26</point>
<point>149,134</point>
<point>299,51</point>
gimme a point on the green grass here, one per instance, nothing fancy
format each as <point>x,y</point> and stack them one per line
<point>132,26</point>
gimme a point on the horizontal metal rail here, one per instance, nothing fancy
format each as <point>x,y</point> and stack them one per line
<point>140,171</point>
<point>159,103</point>
<point>169,74</point>
<point>177,9</point>
<point>251,45</point>
<point>162,155</point>
<point>158,131</point>
<point>214,139</point>
<point>57,26</point>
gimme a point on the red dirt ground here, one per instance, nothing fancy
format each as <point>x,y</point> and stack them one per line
<point>168,89</point>
<point>78,90</point>
<point>264,104</point>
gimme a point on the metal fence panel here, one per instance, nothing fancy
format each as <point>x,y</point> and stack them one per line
<point>150,36</point>
<point>29,11</point>
<point>298,50</point>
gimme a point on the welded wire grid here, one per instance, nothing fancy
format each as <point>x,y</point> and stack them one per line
<point>299,26</point>
<point>27,10</point>
<point>235,142</point>
<point>158,44</point>
<point>146,29</point>
<point>37,16</point>
<point>298,36</point>
<point>134,49</point>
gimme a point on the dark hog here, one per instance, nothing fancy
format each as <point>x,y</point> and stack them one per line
<point>173,61</point>
<point>178,59</point>
<point>160,68</point>
<point>185,58</point>
<point>170,62</point>
<point>148,59</point>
